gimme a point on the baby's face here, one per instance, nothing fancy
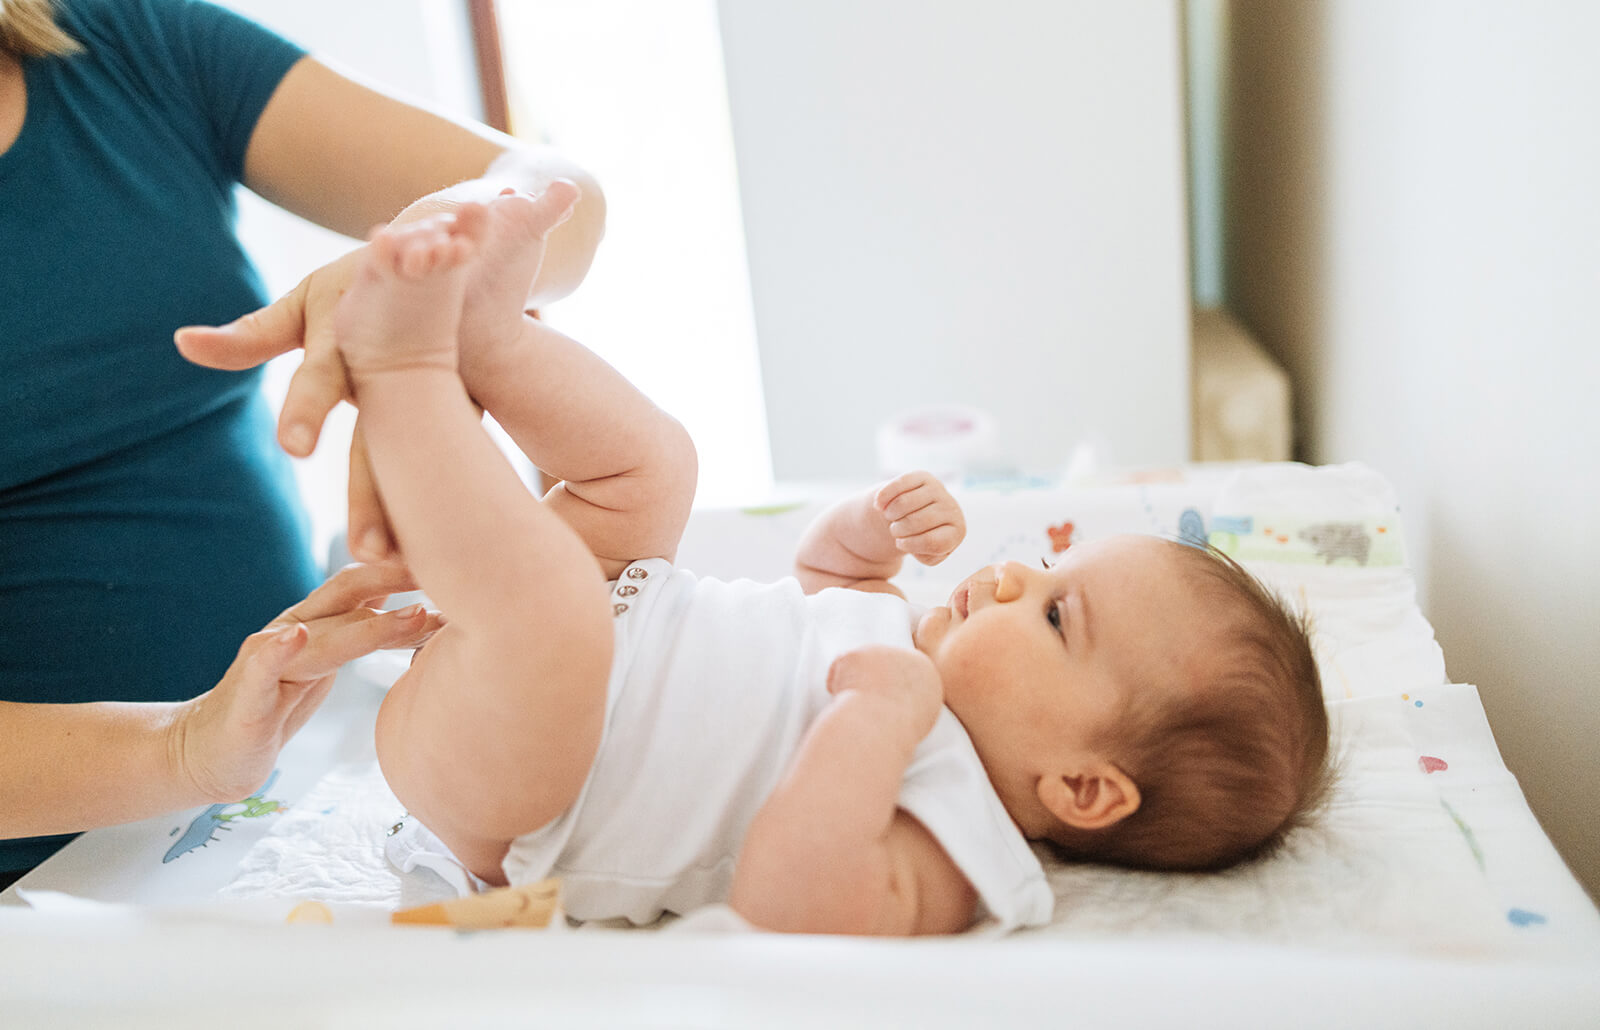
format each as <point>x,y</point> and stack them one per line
<point>1037,662</point>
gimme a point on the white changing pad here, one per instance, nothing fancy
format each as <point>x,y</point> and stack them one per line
<point>1405,858</point>
<point>1427,844</point>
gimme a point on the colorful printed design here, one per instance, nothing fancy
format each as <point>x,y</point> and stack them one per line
<point>1239,525</point>
<point>1334,540</point>
<point>1060,537</point>
<point>1430,764</point>
<point>202,830</point>
<point>1522,917</point>
<point>1369,543</point>
<point>773,509</point>
<point>1466,832</point>
<point>1192,529</point>
<point>1004,482</point>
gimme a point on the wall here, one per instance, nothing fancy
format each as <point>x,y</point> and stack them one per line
<point>948,204</point>
<point>1412,227</point>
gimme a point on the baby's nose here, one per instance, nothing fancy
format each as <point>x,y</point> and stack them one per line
<point>1011,581</point>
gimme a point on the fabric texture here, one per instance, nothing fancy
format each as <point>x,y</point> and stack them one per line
<point>148,522</point>
<point>713,686</point>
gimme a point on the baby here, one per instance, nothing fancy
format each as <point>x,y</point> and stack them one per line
<point>823,760</point>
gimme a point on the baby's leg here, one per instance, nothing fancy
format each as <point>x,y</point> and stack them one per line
<point>628,469</point>
<point>491,732</point>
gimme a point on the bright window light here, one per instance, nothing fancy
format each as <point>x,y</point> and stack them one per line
<point>634,90</point>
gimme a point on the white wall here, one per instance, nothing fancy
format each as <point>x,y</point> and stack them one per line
<point>1414,230</point>
<point>953,202</point>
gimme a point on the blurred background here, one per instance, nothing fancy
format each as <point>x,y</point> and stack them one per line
<point>1068,214</point>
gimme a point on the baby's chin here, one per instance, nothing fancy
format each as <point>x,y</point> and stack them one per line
<point>930,629</point>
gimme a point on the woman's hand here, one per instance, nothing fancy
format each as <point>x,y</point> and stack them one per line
<point>304,318</point>
<point>225,741</point>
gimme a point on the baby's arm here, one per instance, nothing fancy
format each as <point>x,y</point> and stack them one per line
<point>861,541</point>
<point>831,851</point>
<point>627,469</point>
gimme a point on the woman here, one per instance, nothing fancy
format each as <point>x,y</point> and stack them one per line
<point>148,522</point>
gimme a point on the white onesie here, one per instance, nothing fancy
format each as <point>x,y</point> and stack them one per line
<point>712,687</point>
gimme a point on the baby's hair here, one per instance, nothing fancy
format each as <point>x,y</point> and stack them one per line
<point>1226,767</point>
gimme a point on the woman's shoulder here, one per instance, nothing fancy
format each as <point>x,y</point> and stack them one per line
<point>170,35</point>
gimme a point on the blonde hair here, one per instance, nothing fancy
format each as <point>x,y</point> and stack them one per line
<point>28,29</point>
<point>1225,771</point>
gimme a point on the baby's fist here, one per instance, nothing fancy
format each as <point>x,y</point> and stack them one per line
<point>924,520</point>
<point>904,682</point>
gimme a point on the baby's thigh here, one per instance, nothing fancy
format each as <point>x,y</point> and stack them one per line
<point>481,763</point>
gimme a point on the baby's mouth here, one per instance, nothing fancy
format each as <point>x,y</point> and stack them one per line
<point>958,600</point>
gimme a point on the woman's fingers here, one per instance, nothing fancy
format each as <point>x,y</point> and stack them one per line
<point>352,587</point>
<point>251,682</point>
<point>367,522</point>
<point>251,339</point>
<point>342,638</point>
<point>316,387</point>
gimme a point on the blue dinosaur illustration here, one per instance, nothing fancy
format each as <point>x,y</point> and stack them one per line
<point>202,829</point>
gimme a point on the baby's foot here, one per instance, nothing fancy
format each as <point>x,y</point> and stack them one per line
<point>404,304</point>
<point>509,260</point>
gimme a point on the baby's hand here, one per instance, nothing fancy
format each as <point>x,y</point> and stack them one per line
<point>905,682</point>
<point>226,740</point>
<point>924,520</point>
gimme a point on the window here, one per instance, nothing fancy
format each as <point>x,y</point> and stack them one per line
<point>634,90</point>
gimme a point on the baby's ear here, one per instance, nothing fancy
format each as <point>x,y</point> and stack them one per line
<point>1092,796</point>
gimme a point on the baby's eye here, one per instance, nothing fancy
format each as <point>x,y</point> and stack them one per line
<point>1053,615</point>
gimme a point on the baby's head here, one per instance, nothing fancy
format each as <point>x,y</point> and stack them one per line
<point>1141,702</point>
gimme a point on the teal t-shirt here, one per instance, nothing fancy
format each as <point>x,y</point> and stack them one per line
<point>148,521</point>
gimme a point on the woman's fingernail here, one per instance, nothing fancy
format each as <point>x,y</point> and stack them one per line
<point>409,612</point>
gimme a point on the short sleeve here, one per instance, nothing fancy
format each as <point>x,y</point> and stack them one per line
<point>235,65</point>
<point>210,67</point>
<point>947,790</point>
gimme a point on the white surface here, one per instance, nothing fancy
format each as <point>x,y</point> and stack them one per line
<point>124,975</point>
<point>1444,862</point>
<point>952,204</point>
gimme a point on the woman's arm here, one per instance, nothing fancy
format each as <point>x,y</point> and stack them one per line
<point>349,158</point>
<point>71,767</point>
<point>861,541</point>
